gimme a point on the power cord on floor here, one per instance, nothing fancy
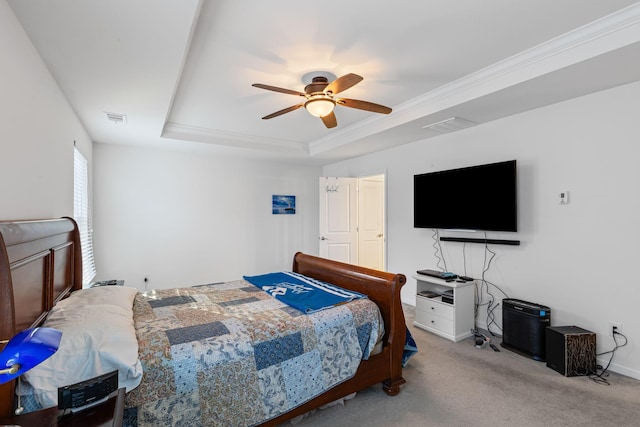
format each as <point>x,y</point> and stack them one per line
<point>600,378</point>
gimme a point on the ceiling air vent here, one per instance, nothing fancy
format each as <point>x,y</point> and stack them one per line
<point>116,118</point>
<point>449,125</point>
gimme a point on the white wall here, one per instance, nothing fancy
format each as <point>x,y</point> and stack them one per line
<point>157,212</point>
<point>37,131</point>
<point>193,218</point>
<point>579,258</point>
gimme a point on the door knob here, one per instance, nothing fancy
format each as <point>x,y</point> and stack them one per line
<point>379,235</point>
<point>323,238</point>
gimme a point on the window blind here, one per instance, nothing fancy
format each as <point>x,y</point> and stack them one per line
<point>82,215</point>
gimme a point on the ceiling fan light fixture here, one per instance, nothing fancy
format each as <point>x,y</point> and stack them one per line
<point>320,101</point>
<point>320,105</point>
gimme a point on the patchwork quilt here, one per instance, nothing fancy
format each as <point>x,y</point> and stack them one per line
<point>229,354</point>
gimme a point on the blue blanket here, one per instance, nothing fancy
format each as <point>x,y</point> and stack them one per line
<point>410,348</point>
<point>301,292</point>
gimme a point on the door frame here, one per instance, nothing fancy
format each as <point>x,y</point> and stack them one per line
<point>383,174</point>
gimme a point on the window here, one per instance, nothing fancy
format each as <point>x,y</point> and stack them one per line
<point>82,215</point>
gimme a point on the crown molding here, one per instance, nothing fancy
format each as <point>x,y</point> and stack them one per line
<point>614,31</point>
<point>233,139</point>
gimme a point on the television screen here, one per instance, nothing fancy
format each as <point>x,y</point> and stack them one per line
<point>473,198</point>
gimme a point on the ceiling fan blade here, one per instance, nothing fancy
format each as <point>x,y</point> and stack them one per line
<point>283,111</point>
<point>363,105</point>
<point>330,120</point>
<point>343,83</point>
<point>278,89</point>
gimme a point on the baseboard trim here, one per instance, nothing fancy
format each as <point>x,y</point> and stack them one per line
<point>619,369</point>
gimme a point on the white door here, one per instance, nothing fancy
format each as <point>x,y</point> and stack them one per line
<point>371,240</point>
<point>338,219</point>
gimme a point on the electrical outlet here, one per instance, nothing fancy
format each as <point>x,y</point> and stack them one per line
<point>618,327</point>
<point>563,197</point>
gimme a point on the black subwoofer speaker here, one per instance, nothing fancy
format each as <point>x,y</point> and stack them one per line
<point>571,350</point>
<point>523,327</point>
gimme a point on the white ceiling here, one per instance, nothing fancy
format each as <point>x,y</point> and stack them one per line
<point>181,70</point>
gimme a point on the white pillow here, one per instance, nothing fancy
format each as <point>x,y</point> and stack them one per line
<point>121,296</point>
<point>96,339</point>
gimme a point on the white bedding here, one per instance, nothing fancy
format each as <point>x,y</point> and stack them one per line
<point>98,336</point>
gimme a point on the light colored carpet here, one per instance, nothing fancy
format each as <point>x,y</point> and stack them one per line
<point>456,384</point>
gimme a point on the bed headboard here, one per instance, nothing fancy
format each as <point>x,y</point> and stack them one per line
<point>40,263</point>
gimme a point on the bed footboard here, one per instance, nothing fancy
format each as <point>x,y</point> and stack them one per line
<point>382,288</point>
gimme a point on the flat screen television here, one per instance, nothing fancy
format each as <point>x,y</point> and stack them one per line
<point>479,197</point>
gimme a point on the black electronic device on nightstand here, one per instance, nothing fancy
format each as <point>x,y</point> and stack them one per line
<point>87,392</point>
<point>108,413</point>
<point>447,296</point>
<point>107,283</point>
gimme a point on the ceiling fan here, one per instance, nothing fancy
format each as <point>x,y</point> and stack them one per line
<point>320,98</point>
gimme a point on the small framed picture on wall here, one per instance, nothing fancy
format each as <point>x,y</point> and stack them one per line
<point>283,205</point>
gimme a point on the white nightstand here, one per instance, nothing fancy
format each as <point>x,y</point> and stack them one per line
<point>452,321</point>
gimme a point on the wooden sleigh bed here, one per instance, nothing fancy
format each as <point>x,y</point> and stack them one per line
<point>41,265</point>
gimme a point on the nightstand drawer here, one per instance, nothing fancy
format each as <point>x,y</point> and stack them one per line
<point>433,321</point>
<point>106,414</point>
<point>435,307</point>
